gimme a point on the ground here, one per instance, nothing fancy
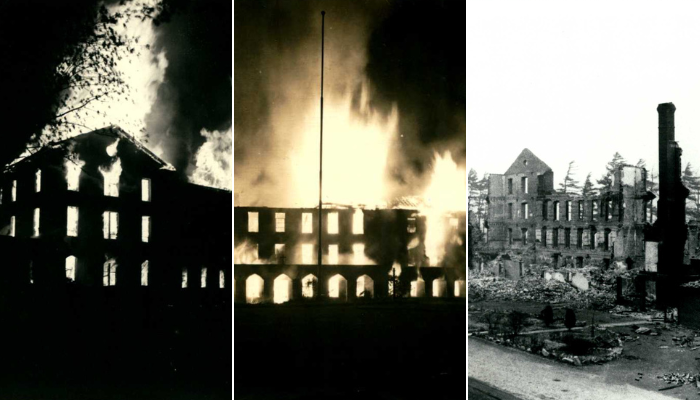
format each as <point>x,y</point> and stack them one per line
<point>643,359</point>
<point>404,349</point>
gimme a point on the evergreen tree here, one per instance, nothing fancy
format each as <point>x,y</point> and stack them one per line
<point>570,184</point>
<point>692,182</point>
<point>588,189</point>
<point>606,180</point>
<point>478,191</point>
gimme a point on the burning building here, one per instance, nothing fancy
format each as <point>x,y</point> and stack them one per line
<point>528,217</point>
<point>101,210</point>
<point>363,250</point>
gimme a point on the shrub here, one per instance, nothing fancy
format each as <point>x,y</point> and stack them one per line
<point>547,315</point>
<point>492,319</point>
<point>570,318</point>
<point>516,322</point>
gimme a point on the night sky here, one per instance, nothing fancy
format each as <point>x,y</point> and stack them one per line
<point>195,93</point>
<point>409,52</point>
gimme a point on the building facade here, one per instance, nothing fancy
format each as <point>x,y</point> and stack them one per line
<point>101,211</point>
<point>528,217</point>
<point>276,254</point>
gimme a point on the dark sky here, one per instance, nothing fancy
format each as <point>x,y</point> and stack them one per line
<point>410,52</point>
<point>195,94</point>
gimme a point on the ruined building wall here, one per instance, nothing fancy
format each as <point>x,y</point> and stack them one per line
<point>558,228</point>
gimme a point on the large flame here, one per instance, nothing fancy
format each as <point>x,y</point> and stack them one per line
<point>356,144</point>
<point>446,194</point>
<point>113,172</point>
<point>213,160</point>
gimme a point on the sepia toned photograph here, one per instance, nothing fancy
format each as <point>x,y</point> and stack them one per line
<point>350,200</point>
<point>116,272</point>
<point>584,200</point>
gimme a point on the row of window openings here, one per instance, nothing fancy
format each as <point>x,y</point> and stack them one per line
<point>358,223</point>
<point>111,186</point>
<point>523,185</point>
<point>307,253</point>
<point>525,210</point>
<point>567,237</point>
<point>307,225</point>
<point>110,220</point>
<point>109,274</point>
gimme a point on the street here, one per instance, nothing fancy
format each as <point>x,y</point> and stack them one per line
<point>530,377</point>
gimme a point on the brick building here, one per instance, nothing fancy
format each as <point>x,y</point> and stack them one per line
<point>528,216</point>
<point>101,211</point>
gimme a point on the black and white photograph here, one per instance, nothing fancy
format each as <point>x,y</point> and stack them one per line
<point>583,132</point>
<point>116,271</point>
<point>350,211</point>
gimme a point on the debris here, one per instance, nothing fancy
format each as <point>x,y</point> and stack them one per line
<point>643,331</point>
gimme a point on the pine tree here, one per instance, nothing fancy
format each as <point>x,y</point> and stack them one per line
<point>692,182</point>
<point>606,180</point>
<point>570,185</point>
<point>588,189</point>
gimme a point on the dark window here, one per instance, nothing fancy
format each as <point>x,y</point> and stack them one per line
<point>524,232</point>
<point>510,186</point>
<point>544,237</point>
<point>567,237</point>
<point>545,206</point>
<point>510,210</point>
<point>555,237</point>
<point>579,238</point>
<point>510,236</point>
<point>593,241</point>
<point>607,240</point>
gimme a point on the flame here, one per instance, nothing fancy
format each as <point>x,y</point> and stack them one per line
<point>446,194</point>
<point>74,166</point>
<point>213,160</point>
<point>112,173</point>
<point>355,150</point>
<point>246,253</point>
<point>112,148</point>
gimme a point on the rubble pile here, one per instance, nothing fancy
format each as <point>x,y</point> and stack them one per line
<point>676,378</point>
<point>537,289</point>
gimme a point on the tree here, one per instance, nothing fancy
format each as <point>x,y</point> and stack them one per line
<point>570,319</point>
<point>80,70</point>
<point>570,185</point>
<point>588,189</point>
<point>692,182</point>
<point>478,191</point>
<point>606,180</point>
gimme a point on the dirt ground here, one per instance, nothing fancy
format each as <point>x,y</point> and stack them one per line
<point>643,360</point>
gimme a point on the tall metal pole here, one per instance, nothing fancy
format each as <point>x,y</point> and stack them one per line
<point>320,169</point>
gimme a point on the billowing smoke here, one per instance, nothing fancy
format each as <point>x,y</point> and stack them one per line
<point>212,161</point>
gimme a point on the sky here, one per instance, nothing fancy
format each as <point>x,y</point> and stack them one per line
<point>579,81</point>
<point>394,98</point>
<point>181,85</point>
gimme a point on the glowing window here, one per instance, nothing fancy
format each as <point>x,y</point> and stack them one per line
<point>358,250</point>
<point>145,228</point>
<point>279,222</point>
<point>185,282</point>
<point>110,221</point>
<point>279,252</point>
<point>307,253</point>
<point>12,226</point>
<point>333,254</point>
<point>111,178</point>
<point>14,191</point>
<point>145,189</point>
<point>253,223</point>
<point>109,273</point>
<point>358,223</point>
<point>222,279</point>
<point>282,289</point>
<point>254,287</point>
<point>73,169</point>
<point>70,268</point>
<point>411,225</point>
<point>72,224</point>
<point>333,223</point>
<point>308,284</point>
<point>37,181</point>
<point>144,273</point>
<point>35,224</point>
<point>307,223</point>
<point>0,195</point>
<point>203,278</point>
